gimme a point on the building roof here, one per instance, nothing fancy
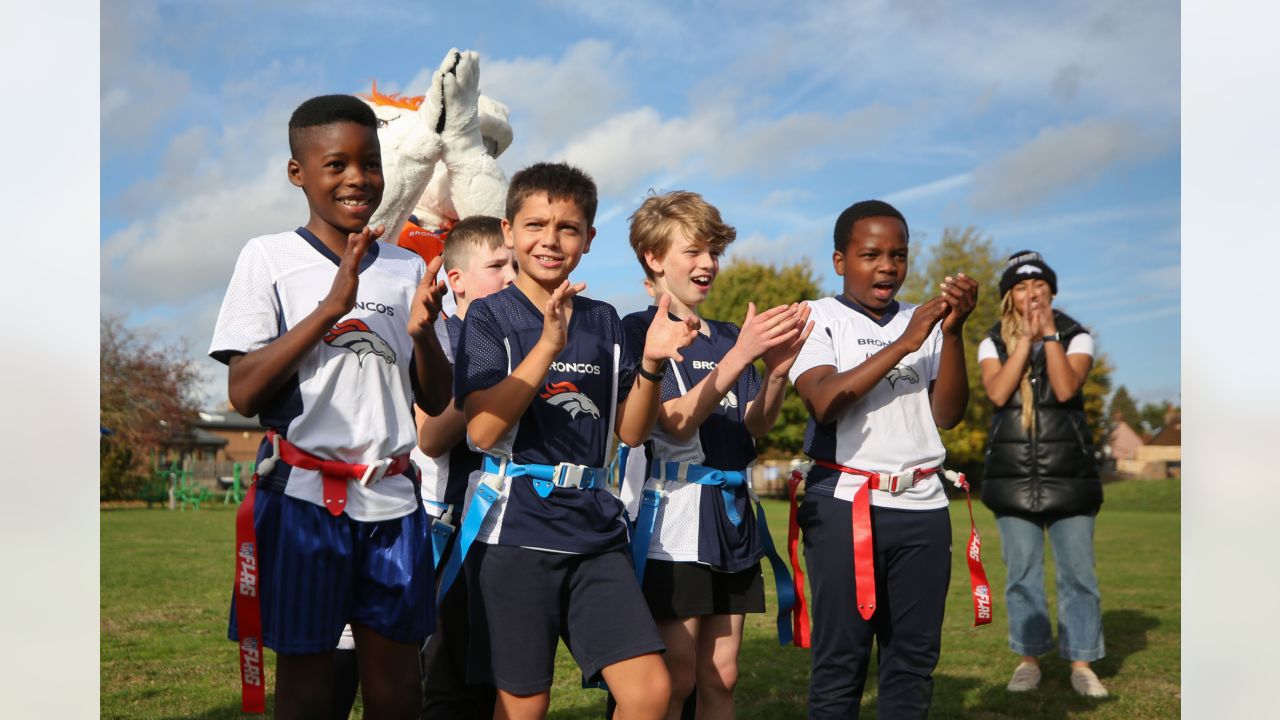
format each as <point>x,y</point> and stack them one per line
<point>1170,434</point>
<point>226,420</point>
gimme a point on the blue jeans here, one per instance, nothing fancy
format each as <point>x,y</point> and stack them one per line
<point>1079,603</point>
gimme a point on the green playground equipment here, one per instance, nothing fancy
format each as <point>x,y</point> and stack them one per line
<point>183,490</point>
<point>237,490</point>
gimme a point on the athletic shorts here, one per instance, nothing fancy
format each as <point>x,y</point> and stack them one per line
<point>319,572</point>
<point>522,602</point>
<point>677,590</point>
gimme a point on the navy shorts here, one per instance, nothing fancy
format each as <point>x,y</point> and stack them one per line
<point>319,572</point>
<point>677,590</point>
<point>522,602</point>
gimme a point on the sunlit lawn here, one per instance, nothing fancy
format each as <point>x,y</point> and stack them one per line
<point>166,582</point>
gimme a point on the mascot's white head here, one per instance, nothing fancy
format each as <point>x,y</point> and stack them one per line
<point>435,208</point>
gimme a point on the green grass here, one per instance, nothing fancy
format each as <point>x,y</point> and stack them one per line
<point>166,582</point>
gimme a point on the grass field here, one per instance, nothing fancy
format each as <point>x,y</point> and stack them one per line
<point>166,581</point>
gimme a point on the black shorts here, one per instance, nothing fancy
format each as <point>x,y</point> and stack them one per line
<point>675,590</point>
<point>522,602</point>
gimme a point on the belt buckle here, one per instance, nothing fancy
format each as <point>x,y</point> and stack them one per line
<point>569,475</point>
<point>374,471</point>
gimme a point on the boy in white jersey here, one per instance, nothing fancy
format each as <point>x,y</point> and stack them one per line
<point>698,542</point>
<point>540,378</point>
<point>477,264</point>
<point>329,340</point>
<point>879,378</point>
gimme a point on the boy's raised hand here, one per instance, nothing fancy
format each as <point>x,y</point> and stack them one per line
<point>763,332</point>
<point>779,358</point>
<point>426,305</point>
<point>555,315</point>
<point>961,294</point>
<point>922,322</point>
<point>346,284</point>
<point>666,336</point>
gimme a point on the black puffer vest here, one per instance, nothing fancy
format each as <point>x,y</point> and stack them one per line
<point>1055,472</point>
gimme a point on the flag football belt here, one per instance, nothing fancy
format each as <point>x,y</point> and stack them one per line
<point>544,479</point>
<point>863,552</point>
<point>728,481</point>
<point>334,475</point>
<point>442,528</point>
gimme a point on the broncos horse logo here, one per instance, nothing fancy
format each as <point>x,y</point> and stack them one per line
<point>729,401</point>
<point>565,395</point>
<point>902,372</point>
<point>355,336</point>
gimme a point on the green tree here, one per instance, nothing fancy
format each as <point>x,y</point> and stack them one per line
<point>1153,415</point>
<point>767,285</point>
<point>146,394</point>
<point>1123,404</point>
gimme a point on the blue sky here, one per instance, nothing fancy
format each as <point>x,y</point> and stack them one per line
<point>1054,127</point>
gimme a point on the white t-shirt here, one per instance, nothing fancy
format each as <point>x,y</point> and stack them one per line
<point>1081,344</point>
<point>890,430</point>
<point>351,400</point>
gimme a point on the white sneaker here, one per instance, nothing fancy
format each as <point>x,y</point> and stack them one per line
<point>1086,683</point>
<point>1026,677</point>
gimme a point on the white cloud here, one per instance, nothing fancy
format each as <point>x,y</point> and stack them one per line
<point>553,101</point>
<point>1058,158</point>
<point>190,247</point>
<point>929,189</point>
<point>139,90</point>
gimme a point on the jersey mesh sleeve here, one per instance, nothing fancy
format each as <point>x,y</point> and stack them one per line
<point>818,349</point>
<point>250,316</point>
<point>626,369</point>
<point>750,375</point>
<point>935,352</point>
<point>481,358</point>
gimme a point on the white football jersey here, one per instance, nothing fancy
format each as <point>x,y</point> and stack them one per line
<point>351,399</point>
<point>892,428</point>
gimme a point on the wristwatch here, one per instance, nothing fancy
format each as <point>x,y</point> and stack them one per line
<point>652,376</point>
<point>1056,337</point>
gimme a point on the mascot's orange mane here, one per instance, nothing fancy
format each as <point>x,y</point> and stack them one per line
<point>400,101</point>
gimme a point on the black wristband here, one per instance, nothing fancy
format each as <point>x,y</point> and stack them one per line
<point>652,376</point>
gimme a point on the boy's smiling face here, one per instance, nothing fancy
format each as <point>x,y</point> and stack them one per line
<point>687,270</point>
<point>340,172</point>
<point>874,262</point>
<point>548,238</point>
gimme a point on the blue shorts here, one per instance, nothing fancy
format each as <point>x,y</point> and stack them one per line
<point>522,602</point>
<point>319,572</point>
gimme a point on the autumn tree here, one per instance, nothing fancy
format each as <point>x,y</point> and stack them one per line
<point>146,395</point>
<point>767,285</point>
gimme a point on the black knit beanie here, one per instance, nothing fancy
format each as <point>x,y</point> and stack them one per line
<point>1026,265</point>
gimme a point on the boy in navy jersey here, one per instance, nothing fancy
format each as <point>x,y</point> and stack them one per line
<point>879,378</point>
<point>698,542</point>
<point>541,377</point>
<point>477,264</point>
<point>313,329</point>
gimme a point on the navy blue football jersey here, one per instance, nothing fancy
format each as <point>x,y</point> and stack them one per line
<point>694,524</point>
<point>570,419</point>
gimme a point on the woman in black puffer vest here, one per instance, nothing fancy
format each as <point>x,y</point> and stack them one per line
<point>1041,472</point>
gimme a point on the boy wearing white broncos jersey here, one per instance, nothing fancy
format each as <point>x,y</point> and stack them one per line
<point>541,380</point>
<point>698,543</point>
<point>879,378</point>
<point>328,338</point>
